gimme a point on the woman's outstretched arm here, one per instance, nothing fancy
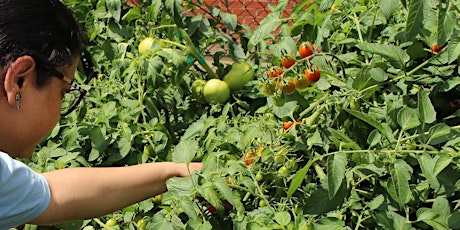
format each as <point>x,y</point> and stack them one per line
<point>83,193</point>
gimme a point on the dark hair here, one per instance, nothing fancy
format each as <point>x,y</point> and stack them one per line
<point>44,29</point>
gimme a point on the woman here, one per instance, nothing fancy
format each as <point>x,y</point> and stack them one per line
<point>39,52</point>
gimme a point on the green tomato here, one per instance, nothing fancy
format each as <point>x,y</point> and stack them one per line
<point>259,176</point>
<point>240,74</point>
<point>197,90</point>
<point>283,170</point>
<point>141,224</point>
<point>146,44</point>
<point>262,203</point>
<point>111,223</point>
<point>216,91</point>
<point>279,100</point>
<point>157,199</point>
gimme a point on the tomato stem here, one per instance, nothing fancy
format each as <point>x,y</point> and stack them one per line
<point>191,49</point>
<point>314,105</point>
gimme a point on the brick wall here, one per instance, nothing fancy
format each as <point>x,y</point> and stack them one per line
<point>249,12</point>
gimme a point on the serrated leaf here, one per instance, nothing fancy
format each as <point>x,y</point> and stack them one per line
<point>185,151</point>
<point>408,118</point>
<point>395,55</point>
<point>336,168</point>
<point>414,21</point>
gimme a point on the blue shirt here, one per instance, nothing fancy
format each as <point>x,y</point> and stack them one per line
<point>24,194</point>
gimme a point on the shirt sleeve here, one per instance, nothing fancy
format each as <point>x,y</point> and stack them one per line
<point>24,194</point>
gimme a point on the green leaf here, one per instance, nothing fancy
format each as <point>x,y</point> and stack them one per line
<point>447,21</point>
<point>208,192</point>
<point>198,224</point>
<point>439,130</point>
<point>408,118</point>
<point>160,221</point>
<point>388,7</point>
<point>395,55</point>
<point>450,83</point>
<point>398,184</point>
<point>336,168</point>
<point>266,27</point>
<point>185,151</point>
<point>175,9</point>
<point>230,20</point>
<point>114,8</point>
<point>283,218</point>
<point>453,50</point>
<point>392,220</point>
<point>223,188</point>
<point>426,109</point>
<point>426,214</point>
<point>454,220</point>
<point>133,14</point>
<point>298,178</point>
<point>427,165</point>
<point>329,223</point>
<point>374,138</point>
<point>414,21</point>
<point>368,119</point>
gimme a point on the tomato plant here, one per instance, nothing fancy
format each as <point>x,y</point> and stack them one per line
<point>376,144</point>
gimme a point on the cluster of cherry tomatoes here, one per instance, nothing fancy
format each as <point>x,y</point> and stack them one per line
<point>285,79</point>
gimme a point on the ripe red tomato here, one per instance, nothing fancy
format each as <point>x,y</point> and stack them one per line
<point>287,61</point>
<point>249,158</point>
<point>288,124</point>
<point>435,48</point>
<point>275,71</point>
<point>313,75</point>
<point>212,209</point>
<point>306,49</point>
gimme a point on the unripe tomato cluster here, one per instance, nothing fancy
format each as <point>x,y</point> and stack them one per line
<point>285,78</point>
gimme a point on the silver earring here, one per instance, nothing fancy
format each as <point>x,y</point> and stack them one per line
<point>18,101</point>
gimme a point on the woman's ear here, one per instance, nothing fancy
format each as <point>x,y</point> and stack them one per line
<point>20,72</point>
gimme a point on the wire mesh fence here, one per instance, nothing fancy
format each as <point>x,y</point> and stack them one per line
<point>249,12</point>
